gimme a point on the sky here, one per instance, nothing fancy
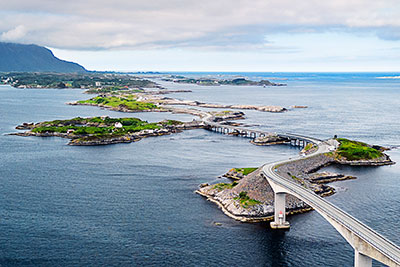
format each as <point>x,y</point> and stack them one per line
<point>211,35</point>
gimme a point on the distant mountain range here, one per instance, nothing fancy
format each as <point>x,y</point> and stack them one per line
<point>33,58</point>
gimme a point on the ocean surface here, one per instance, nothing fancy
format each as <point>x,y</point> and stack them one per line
<point>134,204</point>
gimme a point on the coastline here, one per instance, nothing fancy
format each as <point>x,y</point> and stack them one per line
<point>297,170</point>
<point>302,170</point>
<point>248,219</point>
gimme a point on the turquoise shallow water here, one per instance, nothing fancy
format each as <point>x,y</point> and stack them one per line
<point>133,204</point>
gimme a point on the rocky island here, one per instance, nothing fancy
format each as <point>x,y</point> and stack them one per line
<point>104,130</point>
<point>250,198</point>
<point>217,82</point>
<point>145,102</point>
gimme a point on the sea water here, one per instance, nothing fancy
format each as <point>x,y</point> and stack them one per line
<point>134,204</point>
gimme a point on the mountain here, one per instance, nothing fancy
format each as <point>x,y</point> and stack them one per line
<point>33,58</point>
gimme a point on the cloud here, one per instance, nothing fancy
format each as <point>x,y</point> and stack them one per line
<point>15,34</point>
<point>207,24</point>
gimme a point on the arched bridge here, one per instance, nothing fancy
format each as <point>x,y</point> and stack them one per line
<point>367,243</point>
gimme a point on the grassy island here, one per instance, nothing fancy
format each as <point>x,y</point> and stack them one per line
<point>103,130</point>
<point>354,150</point>
<point>126,102</point>
<point>98,126</point>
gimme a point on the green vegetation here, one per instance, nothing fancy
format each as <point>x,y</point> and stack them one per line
<point>353,150</point>
<point>308,147</point>
<point>222,113</point>
<point>223,186</point>
<point>245,171</point>
<point>297,179</point>
<point>128,102</point>
<point>171,122</point>
<point>96,126</point>
<point>107,82</point>
<point>100,130</point>
<point>245,200</point>
<point>211,81</point>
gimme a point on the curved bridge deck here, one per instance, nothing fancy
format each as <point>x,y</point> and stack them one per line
<point>367,243</point>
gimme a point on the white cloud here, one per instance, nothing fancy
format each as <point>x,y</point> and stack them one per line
<point>15,34</point>
<point>207,24</point>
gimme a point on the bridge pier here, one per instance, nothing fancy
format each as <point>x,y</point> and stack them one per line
<point>361,260</point>
<point>280,212</point>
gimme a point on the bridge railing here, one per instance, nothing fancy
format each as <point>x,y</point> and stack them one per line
<point>376,240</point>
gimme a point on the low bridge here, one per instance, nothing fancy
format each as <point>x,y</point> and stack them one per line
<point>292,139</point>
<point>367,243</point>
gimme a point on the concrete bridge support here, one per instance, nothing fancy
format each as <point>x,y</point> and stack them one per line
<point>361,260</point>
<point>280,212</point>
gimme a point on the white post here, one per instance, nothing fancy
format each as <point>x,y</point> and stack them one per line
<point>361,260</point>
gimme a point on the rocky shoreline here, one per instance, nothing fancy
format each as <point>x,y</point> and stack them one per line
<point>250,198</point>
<point>248,219</point>
<point>93,141</point>
<point>384,160</point>
<point>106,139</point>
<point>217,82</point>
<point>257,189</point>
<point>164,102</point>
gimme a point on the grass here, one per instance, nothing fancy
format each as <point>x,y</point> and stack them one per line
<point>245,171</point>
<point>308,147</point>
<point>223,186</point>
<point>353,150</point>
<point>222,113</point>
<point>172,122</point>
<point>245,200</point>
<point>96,126</point>
<point>128,102</point>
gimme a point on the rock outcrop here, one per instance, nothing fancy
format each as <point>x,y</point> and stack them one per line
<point>257,188</point>
<point>271,139</point>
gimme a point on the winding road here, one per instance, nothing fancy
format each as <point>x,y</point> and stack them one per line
<point>367,243</point>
